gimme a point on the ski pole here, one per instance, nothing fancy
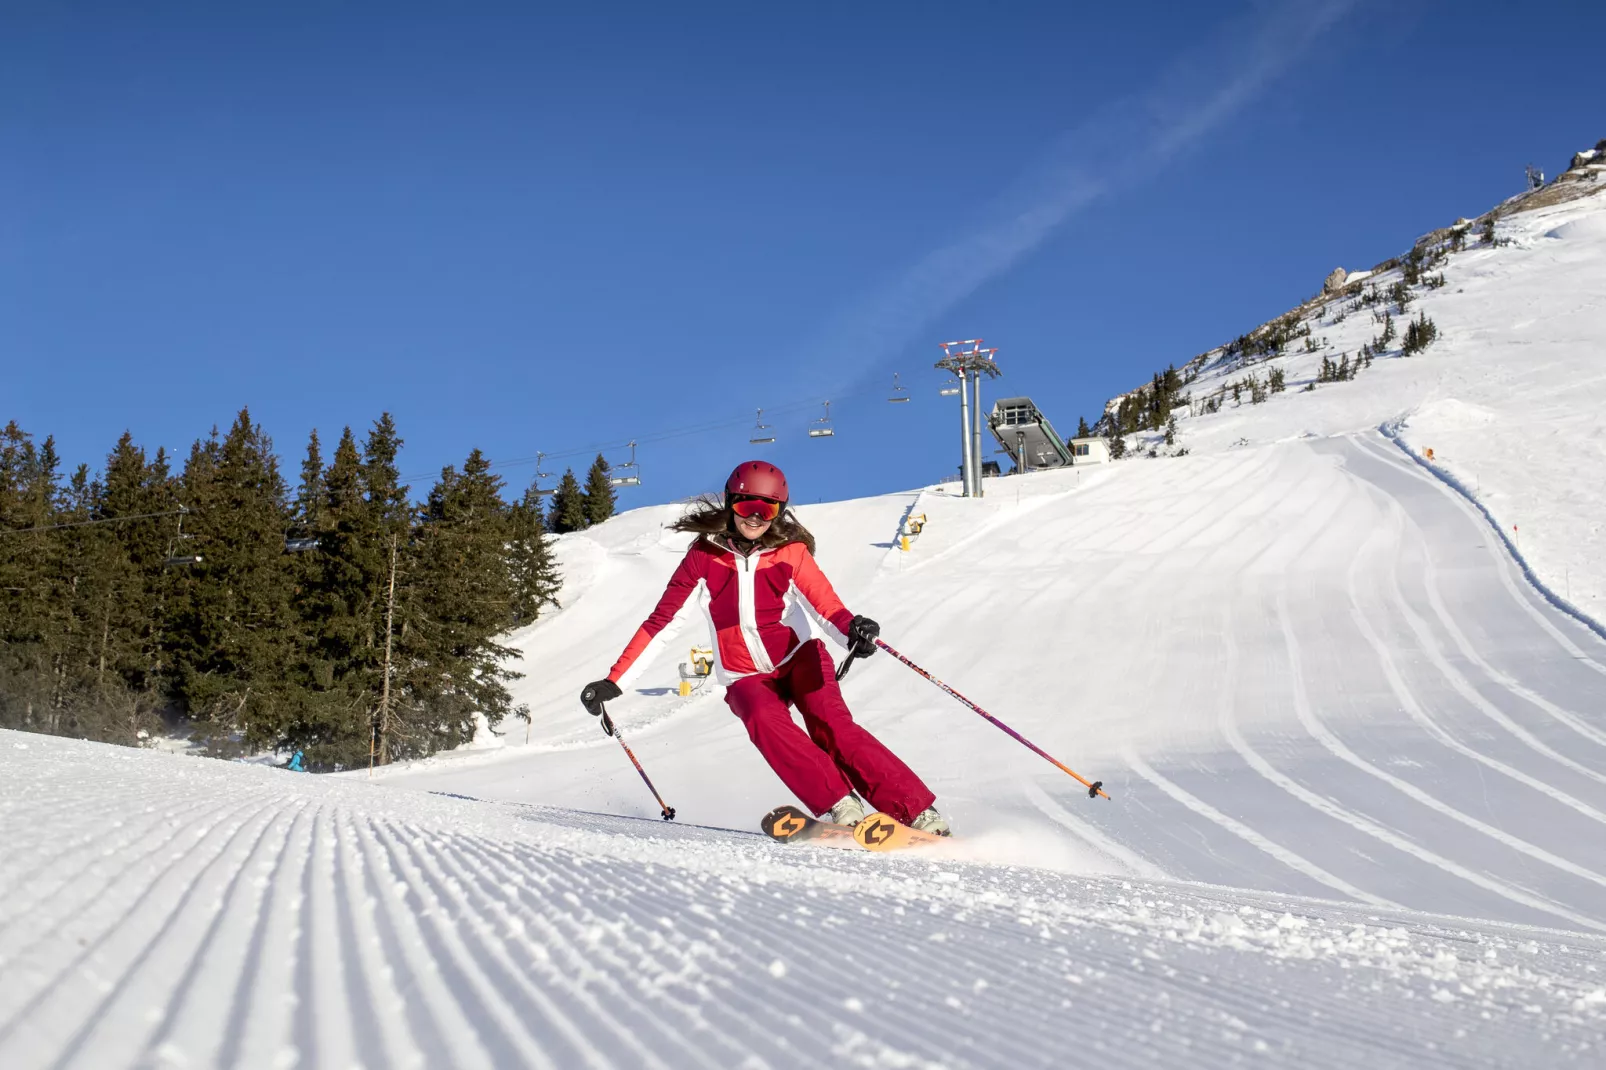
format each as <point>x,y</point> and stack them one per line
<point>1094,788</point>
<point>608,727</point>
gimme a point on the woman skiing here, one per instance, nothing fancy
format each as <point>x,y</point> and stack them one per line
<point>752,568</point>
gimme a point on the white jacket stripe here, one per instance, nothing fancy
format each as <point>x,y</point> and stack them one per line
<point>746,602</point>
<point>669,631</point>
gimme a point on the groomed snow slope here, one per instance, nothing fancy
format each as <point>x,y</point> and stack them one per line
<point>164,911</point>
<point>1305,668</point>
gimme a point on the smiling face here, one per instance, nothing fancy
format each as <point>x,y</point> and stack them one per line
<point>752,517</point>
<point>752,527</point>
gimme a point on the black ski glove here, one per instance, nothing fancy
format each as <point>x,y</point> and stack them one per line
<point>862,633</point>
<point>595,694</point>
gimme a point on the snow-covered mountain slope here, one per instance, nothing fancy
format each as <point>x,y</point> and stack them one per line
<point>167,911</point>
<point>1510,398</point>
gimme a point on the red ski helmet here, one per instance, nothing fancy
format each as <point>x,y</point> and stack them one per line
<point>758,478</point>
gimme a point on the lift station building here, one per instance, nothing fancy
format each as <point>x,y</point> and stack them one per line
<point>1027,436</point>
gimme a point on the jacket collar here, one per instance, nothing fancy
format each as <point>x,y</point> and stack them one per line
<point>727,544</point>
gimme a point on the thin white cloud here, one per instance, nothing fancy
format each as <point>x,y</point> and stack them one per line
<point>1189,100</point>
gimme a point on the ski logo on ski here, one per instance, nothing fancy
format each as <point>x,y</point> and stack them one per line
<point>788,824</point>
<point>875,831</point>
<point>881,832</point>
<point>785,826</point>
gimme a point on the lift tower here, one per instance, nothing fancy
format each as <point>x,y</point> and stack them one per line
<point>969,362</point>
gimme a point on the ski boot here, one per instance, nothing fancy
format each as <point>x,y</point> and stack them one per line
<point>847,811</point>
<point>929,820</point>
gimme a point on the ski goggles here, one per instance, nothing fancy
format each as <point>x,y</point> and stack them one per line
<point>759,507</point>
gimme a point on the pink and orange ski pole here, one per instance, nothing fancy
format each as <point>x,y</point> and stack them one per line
<point>1095,788</point>
<point>609,727</point>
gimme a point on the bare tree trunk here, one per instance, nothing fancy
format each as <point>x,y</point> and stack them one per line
<point>384,687</point>
<point>105,640</point>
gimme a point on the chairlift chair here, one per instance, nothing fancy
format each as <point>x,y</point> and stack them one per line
<point>824,429</point>
<point>900,393</point>
<point>949,388</point>
<point>299,546</point>
<point>762,432</point>
<point>174,558</point>
<point>540,475</point>
<point>634,477</point>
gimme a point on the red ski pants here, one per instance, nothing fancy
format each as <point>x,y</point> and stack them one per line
<point>836,755</point>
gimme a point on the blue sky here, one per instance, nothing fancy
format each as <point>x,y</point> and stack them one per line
<point>525,229</point>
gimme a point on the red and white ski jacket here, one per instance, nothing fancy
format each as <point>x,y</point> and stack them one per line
<point>752,604</point>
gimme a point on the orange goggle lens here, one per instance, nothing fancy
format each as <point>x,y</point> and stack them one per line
<point>760,507</point>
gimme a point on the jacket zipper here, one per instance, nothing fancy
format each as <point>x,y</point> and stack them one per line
<point>747,611</point>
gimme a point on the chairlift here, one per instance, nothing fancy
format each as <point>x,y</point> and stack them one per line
<point>824,429</point>
<point>900,393</point>
<point>299,546</point>
<point>540,475</point>
<point>175,559</point>
<point>763,433</point>
<point>949,388</point>
<point>634,477</point>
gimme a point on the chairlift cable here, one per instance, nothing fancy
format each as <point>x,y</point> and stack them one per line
<point>650,439</point>
<point>104,520</point>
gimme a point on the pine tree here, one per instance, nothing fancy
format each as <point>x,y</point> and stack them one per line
<point>1171,431</point>
<point>568,509</point>
<point>387,495</point>
<point>27,500</point>
<point>458,598</point>
<point>1419,334</point>
<point>599,496</point>
<point>310,494</point>
<point>130,583</point>
<point>1082,430</point>
<point>532,574</point>
<point>232,631</point>
<point>342,607</point>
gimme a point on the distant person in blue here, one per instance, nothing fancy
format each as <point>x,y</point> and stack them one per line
<point>295,763</point>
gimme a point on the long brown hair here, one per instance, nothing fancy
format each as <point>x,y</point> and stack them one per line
<point>709,516</point>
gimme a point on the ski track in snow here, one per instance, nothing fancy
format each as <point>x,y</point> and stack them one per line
<point>210,914</point>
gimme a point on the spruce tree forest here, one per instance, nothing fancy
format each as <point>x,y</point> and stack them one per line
<point>212,599</point>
